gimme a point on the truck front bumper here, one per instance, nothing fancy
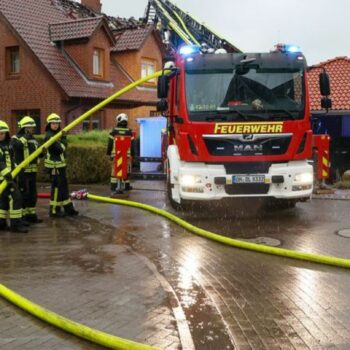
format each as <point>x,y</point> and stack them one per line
<point>200,181</point>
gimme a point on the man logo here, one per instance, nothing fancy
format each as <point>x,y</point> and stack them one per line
<point>248,148</point>
<point>248,137</point>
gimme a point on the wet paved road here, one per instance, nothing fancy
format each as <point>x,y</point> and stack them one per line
<point>136,275</point>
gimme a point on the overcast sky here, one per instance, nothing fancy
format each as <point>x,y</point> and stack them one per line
<point>320,27</point>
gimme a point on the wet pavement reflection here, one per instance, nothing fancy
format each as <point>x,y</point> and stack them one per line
<point>126,271</point>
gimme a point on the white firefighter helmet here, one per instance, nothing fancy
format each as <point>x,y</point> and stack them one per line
<point>122,117</point>
<point>169,65</point>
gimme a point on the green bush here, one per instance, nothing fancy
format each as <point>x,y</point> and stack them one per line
<point>91,138</point>
<point>86,164</point>
<point>85,138</point>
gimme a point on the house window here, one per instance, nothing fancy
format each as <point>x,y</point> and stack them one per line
<point>34,113</point>
<point>12,61</point>
<point>97,63</point>
<point>93,123</point>
<point>148,67</point>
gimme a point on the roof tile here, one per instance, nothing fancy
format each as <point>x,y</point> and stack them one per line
<point>338,69</point>
<point>31,20</point>
<point>132,39</point>
<point>76,29</point>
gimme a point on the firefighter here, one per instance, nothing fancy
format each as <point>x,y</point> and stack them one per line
<point>10,199</point>
<point>55,164</point>
<point>23,145</point>
<point>119,185</point>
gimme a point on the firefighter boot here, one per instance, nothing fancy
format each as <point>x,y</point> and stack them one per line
<point>70,211</point>
<point>17,226</point>
<point>33,219</point>
<point>25,221</point>
<point>57,213</point>
<point>3,225</point>
<point>128,187</point>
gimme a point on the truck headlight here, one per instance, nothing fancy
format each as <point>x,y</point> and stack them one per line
<point>304,178</point>
<point>190,180</point>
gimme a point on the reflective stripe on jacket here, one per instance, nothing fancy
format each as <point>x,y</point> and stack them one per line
<point>23,147</point>
<point>55,156</point>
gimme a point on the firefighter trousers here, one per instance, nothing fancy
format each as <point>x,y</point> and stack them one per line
<point>27,186</point>
<point>118,184</point>
<point>60,192</point>
<point>11,206</point>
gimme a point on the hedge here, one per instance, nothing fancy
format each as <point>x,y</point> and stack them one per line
<point>87,161</point>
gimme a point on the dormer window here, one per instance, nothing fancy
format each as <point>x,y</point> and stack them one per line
<point>97,63</point>
<point>148,67</point>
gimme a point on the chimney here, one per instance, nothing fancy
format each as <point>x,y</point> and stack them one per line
<point>94,5</point>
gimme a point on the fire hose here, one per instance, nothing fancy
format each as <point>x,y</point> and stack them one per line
<point>287,253</point>
<point>87,333</point>
<point>95,336</point>
<point>110,341</point>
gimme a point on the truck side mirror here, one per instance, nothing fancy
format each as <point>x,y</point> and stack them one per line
<point>163,86</point>
<point>162,105</point>
<point>325,87</point>
<point>326,103</point>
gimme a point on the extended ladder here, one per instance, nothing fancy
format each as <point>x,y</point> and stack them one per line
<point>184,28</point>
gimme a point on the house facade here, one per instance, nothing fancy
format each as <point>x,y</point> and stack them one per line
<point>65,57</point>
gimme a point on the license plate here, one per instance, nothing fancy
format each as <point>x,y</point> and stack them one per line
<point>248,179</point>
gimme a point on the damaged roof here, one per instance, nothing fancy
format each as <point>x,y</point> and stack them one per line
<point>31,20</point>
<point>75,10</point>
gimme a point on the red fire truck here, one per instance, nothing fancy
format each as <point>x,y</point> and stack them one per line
<point>239,123</point>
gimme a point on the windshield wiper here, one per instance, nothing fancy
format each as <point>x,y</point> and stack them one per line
<point>240,113</point>
<point>219,117</point>
<point>248,116</point>
<point>277,111</point>
<point>224,115</point>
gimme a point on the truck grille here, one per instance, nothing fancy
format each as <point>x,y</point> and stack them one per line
<point>238,146</point>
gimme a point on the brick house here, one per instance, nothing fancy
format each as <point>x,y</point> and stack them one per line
<point>65,57</point>
<point>335,122</point>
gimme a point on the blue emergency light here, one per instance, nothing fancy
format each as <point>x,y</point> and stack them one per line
<point>293,48</point>
<point>189,50</point>
<point>288,48</point>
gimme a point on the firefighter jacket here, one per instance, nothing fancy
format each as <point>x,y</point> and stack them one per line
<point>23,146</point>
<point>111,141</point>
<point>56,153</point>
<point>7,159</point>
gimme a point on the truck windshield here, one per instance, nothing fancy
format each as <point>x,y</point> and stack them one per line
<point>245,93</point>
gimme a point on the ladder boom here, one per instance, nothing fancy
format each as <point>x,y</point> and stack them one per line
<point>185,28</point>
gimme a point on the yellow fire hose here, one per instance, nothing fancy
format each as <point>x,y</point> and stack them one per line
<point>95,336</point>
<point>77,329</point>
<point>77,121</point>
<point>320,259</point>
<point>99,337</point>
